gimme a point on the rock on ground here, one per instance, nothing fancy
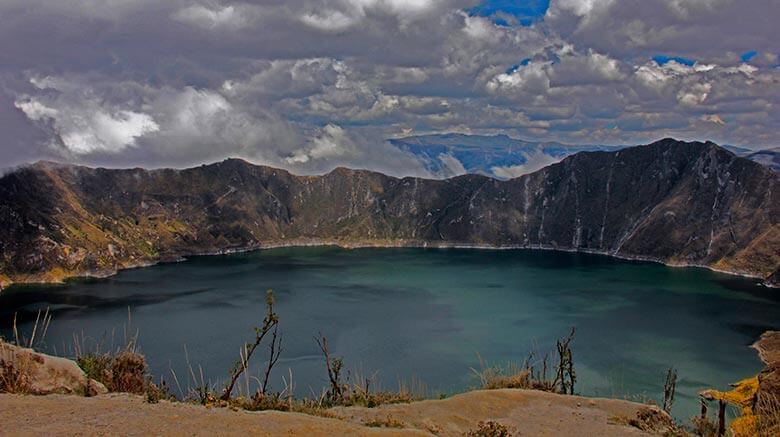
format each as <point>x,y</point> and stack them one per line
<point>43,374</point>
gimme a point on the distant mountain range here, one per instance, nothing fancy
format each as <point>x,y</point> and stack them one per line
<point>504,157</point>
<point>673,202</point>
<point>768,157</point>
<point>498,156</point>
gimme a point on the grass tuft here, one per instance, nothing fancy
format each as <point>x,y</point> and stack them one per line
<point>490,429</point>
<point>387,422</point>
<point>768,415</point>
<point>651,420</point>
<point>14,372</point>
<point>128,373</point>
<point>125,372</point>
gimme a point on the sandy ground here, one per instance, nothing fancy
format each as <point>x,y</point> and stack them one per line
<point>121,414</point>
<point>527,413</point>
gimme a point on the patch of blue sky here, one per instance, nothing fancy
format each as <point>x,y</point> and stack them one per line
<point>747,56</point>
<point>519,65</point>
<point>511,12</point>
<point>663,59</point>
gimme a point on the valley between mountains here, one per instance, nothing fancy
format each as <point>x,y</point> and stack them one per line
<point>679,203</point>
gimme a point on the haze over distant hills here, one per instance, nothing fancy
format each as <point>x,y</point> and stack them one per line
<point>504,157</point>
<point>674,202</point>
<point>499,156</point>
<point>768,157</point>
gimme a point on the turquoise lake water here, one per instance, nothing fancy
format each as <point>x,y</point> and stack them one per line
<point>423,315</point>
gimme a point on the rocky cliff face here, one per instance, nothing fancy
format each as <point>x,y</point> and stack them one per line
<point>768,347</point>
<point>674,202</point>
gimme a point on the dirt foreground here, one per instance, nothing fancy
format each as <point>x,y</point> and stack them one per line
<point>526,413</point>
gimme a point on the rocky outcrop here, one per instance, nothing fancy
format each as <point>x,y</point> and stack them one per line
<point>768,348</point>
<point>40,374</point>
<point>757,398</point>
<point>673,202</point>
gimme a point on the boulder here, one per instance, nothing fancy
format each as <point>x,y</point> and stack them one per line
<point>41,374</point>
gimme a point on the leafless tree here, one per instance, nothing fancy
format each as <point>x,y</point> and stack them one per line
<point>274,351</point>
<point>565,376</point>
<point>670,386</point>
<point>334,367</point>
<point>270,323</point>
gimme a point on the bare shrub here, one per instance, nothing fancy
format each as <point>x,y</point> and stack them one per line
<point>498,377</point>
<point>14,372</point>
<point>490,429</point>
<point>387,422</point>
<point>358,396</point>
<point>126,371</point>
<point>335,394</point>
<point>705,427</point>
<point>565,376</point>
<point>96,366</point>
<point>533,373</point>
<point>156,393</point>
<point>344,391</point>
<point>651,419</point>
<point>768,415</point>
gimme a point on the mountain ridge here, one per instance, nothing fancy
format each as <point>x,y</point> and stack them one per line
<point>674,202</point>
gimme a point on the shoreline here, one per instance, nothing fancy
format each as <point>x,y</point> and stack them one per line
<point>412,244</point>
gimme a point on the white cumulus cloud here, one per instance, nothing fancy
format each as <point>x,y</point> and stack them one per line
<point>91,128</point>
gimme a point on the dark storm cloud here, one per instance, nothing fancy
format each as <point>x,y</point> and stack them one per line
<point>309,85</point>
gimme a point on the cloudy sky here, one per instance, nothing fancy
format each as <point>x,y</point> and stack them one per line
<point>311,84</point>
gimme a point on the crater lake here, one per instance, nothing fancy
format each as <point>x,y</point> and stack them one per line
<point>424,318</point>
